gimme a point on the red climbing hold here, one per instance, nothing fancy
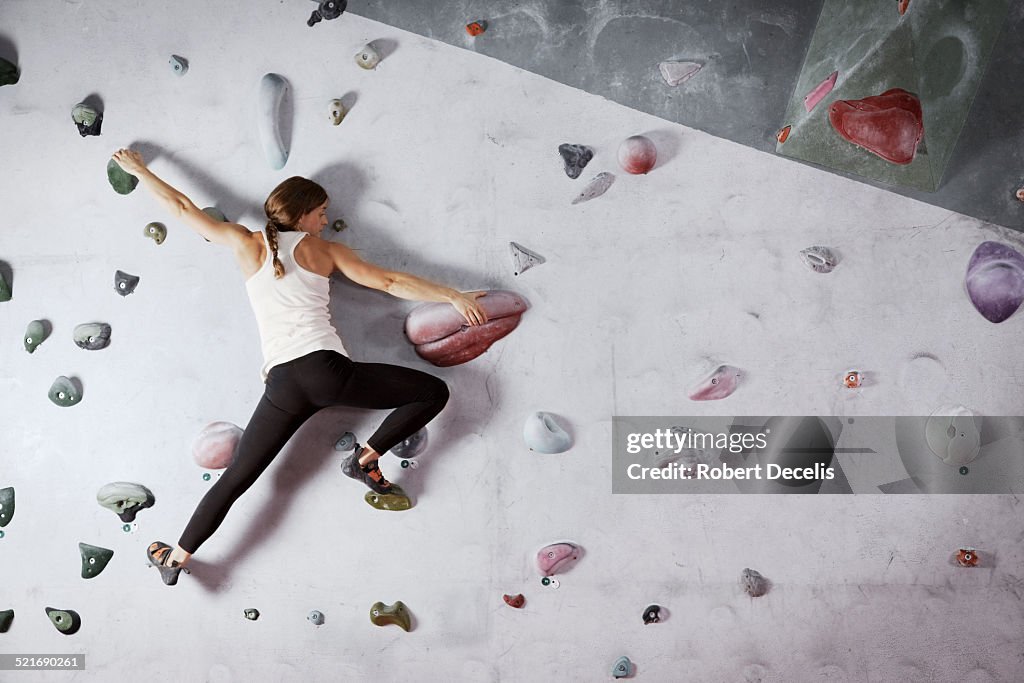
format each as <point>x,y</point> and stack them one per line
<point>889,125</point>
<point>516,601</point>
<point>476,28</point>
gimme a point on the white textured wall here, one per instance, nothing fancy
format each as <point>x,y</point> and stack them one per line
<point>445,158</point>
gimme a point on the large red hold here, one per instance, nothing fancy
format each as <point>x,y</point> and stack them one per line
<point>443,338</point>
<point>889,125</point>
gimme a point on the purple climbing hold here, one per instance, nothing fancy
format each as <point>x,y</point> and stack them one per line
<point>995,280</point>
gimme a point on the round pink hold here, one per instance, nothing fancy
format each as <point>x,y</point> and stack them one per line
<point>215,446</point>
<point>637,155</point>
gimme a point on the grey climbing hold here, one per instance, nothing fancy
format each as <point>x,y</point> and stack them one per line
<point>178,64</point>
<point>753,583</point>
<point>125,498</point>
<point>66,621</point>
<point>87,119</point>
<point>6,617</point>
<point>215,213</point>
<point>413,446</point>
<point>368,57</point>
<point>575,157</point>
<point>316,617</point>
<point>339,225</point>
<point>124,284</point>
<point>5,289</point>
<point>675,73</point>
<point>272,93</point>
<point>252,614</point>
<point>596,187</point>
<point>328,9</point>
<point>819,259</point>
<point>6,505</point>
<point>156,232</point>
<point>92,336</point>
<point>121,180</point>
<point>622,667</point>
<point>346,443</point>
<point>94,559</point>
<point>652,615</point>
<point>523,259</point>
<point>64,393</point>
<point>35,334</point>
<point>8,72</point>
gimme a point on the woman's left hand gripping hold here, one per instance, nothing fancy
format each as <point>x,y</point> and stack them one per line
<point>467,305</point>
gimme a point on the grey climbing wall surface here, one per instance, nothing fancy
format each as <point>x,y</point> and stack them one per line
<point>751,54</point>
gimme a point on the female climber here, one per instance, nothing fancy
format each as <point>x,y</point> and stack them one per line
<point>306,367</point>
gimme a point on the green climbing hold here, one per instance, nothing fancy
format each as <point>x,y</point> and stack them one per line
<point>121,180</point>
<point>396,500</point>
<point>397,614</point>
<point>963,469</point>
<point>35,334</point>
<point>405,464</point>
<point>126,528</point>
<point>206,476</point>
<point>6,505</point>
<point>8,72</point>
<point>67,621</point>
<point>63,392</point>
<point>87,119</point>
<point>94,559</point>
<point>6,617</point>
<point>339,225</point>
<point>5,288</point>
<point>545,581</point>
<point>156,232</point>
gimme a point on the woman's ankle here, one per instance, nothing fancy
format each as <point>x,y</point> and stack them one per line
<point>180,556</point>
<point>367,456</point>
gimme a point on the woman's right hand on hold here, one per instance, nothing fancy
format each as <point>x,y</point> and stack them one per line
<point>466,304</point>
<point>129,160</point>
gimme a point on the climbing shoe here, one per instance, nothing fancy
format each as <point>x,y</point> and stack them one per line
<point>369,474</point>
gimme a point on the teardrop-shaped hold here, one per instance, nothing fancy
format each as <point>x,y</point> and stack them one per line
<point>523,259</point>
<point>652,615</point>
<point>397,614</point>
<point>721,382</point>
<point>543,434</point>
<point>516,601</point>
<point>67,621</point>
<point>252,614</point>
<point>216,214</point>
<point>64,393</point>
<point>35,334</point>
<point>122,181</point>
<point>8,72</point>
<point>214,447</point>
<point>675,73</point>
<point>156,232</point>
<point>6,617</point>
<point>995,280</point>
<point>178,64</point>
<point>783,134</point>
<point>575,158</point>
<point>595,188</point>
<point>553,558</point>
<point>316,617</point>
<point>819,259</point>
<point>413,446</point>
<point>94,559</point>
<point>443,337</point>
<point>273,89</point>
<point>889,125</point>
<point>92,336</point>
<point>395,500</point>
<point>368,57</point>
<point>753,583</point>
<point>819,91</point>
<point>622,667</point>
<point>6,505</point>
<point>87,119</point>
<point>335,111</point>
<point>637,155</point>
<point>125,284</point>
<point>5,289</point>
<point>125,499</point>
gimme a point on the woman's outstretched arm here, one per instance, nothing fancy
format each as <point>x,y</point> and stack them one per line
<point>180,206</point>
<point>405,285</point>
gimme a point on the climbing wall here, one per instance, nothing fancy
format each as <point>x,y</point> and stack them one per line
<point>444,158</point>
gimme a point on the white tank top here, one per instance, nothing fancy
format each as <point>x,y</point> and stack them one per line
<point>291,312</point>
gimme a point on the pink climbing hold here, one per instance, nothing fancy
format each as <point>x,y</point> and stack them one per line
<point>551,559</point>
<point>215,446</point>
<point>722,381</point>
<point>442,336</point>
<point>818,93</point>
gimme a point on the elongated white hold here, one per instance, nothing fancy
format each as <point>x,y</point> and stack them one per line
<point>596,187</point>
<point>336,111</point>
<point>523,259</point>
<point>273,89</point>
<point>543,434</point>
<point>675,73</point>
<point>819,259</point>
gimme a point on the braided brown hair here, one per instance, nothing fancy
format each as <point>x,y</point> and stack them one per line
<point>287,203</point>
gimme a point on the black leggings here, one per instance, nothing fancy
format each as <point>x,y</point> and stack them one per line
<point>295,391</point>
